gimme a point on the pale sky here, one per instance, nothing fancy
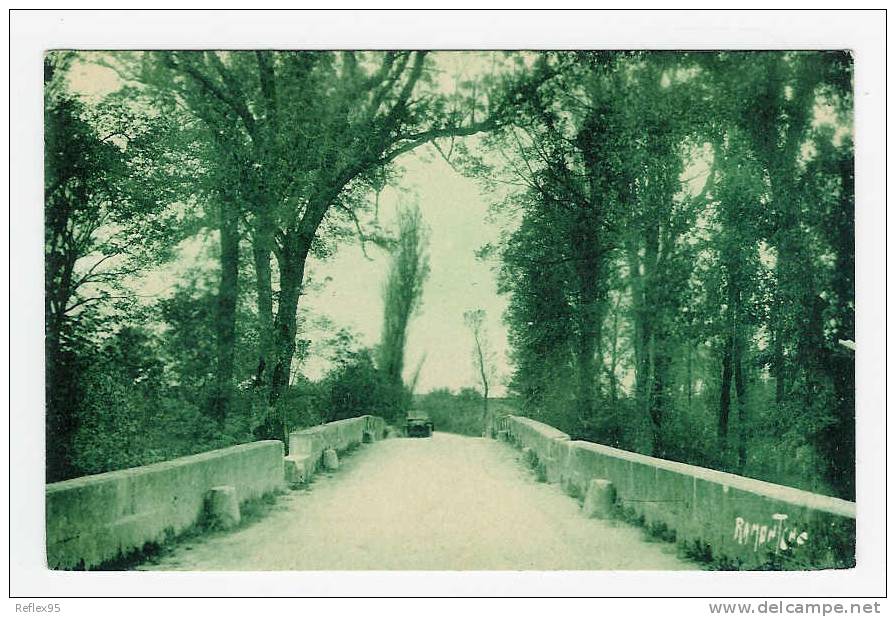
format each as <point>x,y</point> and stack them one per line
<point>455,211</point>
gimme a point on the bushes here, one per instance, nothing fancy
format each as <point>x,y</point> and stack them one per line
<point>459,413</point>
<point>352,386</point>
<point>109,427</point>
<point>121,424</point>
<point>132,400</point>
<point>129,411</point>
<point>356,387</point>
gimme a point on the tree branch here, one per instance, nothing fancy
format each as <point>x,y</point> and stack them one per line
<point>418,139</point>
<point>361,235</point>
<point>239,107</point>
<point>267,80</point>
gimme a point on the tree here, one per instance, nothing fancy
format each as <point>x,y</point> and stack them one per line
<point>738,193</point>
<point>659,211</point>
<point>482,355</point>
<point>777,97</point>
<point>831,186</point>
<point>680,248</point>
<point>76,184</point>
<point>563,142</point>
<point>600,159</point>
<point>105,219</point>
<point>402,293</point>
<point>355,387</point>
<point>312,130</point>
<point>535,272</point>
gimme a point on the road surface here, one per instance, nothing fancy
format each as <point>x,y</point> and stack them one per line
<point>445,503</point>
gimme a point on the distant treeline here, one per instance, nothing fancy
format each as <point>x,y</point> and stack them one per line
<point>459,412</point>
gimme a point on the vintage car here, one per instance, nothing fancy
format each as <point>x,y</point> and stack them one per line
<point>418,425</point>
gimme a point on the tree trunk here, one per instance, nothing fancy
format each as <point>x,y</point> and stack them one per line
<point>614,353</point>
<point>840,363</point>
<point>228,291</point>
<point>777,363</point>
<point>659,396</point>
<point>61,376</point>
<point>587,268</point>
<point>261,253</point>
<point>840,472</point>
<point>641,334</point>
<point>292,273</point>
<point>740,388</point>
<point>786,267</point>
<point>60,422</point>
<point>585,361</point>
<point>485,401</point>
<point>283,348</point>
<point>643,368</point>
<point>725,400</point>
<point>589,248</point>
<point>690,373</point>
<point>651,316</point>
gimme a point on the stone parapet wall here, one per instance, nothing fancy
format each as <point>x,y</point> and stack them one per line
<point>736,521</point>
<point>95,519</point>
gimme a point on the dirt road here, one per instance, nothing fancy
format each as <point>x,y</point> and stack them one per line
<point>446,503</point>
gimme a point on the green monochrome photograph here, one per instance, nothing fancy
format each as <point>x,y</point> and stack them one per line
<point>326,310</point>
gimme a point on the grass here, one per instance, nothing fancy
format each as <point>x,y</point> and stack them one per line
<point>573,490</point>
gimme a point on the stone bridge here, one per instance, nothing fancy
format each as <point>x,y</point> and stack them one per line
<point>525,498</point>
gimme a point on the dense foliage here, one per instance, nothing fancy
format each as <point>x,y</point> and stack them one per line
<point>681,276</point>
<point>271,155</point>
<point>459,412</point>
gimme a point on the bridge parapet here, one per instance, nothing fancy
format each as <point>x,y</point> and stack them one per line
<point>550,445</point>
<point>738,521</point>
<point>339,435</point>
<point>94,519</point>
<point>307,446</point>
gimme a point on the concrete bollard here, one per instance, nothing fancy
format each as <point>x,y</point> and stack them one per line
<point>296,469</point>
<point>222,507</point>
<point>331,460</point>
<point>599,499</point>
